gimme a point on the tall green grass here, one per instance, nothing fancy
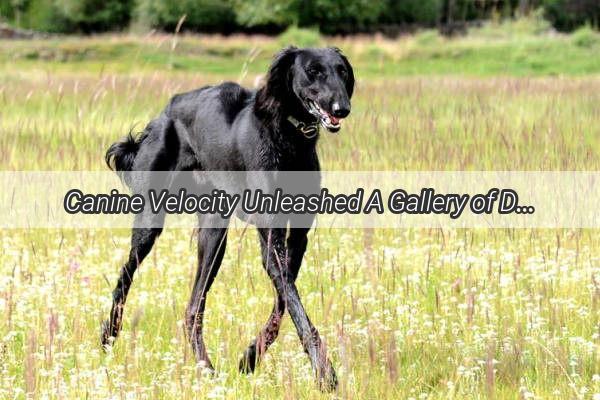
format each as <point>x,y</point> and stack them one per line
<point>58,122</point>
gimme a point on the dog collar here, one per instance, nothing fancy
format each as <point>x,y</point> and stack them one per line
<point>309,131</point>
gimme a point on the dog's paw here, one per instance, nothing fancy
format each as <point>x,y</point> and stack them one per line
<point>327,379</point>
<point>248,360</point>
<point>106,337</point>
<point>206,369</point>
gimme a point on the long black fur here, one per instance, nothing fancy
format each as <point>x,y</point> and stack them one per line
<point>231,128</point>
<point>121,155</point>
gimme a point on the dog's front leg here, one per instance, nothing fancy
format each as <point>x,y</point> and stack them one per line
<point>278,268</point>
<point>296,246</point>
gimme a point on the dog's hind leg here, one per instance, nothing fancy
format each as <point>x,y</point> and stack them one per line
<point>296,246</point>
<point>142,240</point>
<point>162,147</point>
<point>211,248</point>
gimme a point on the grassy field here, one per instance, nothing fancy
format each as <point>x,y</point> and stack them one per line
<point>413,313</point>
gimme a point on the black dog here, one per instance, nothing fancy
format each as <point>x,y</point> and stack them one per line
<point>230,128</point>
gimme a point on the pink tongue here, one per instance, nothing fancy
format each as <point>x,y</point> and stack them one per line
<point>334,120</point>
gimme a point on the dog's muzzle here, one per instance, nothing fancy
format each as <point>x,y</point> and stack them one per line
<point>328,121</point>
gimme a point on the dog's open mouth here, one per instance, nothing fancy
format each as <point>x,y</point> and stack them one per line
<point>329,122</point>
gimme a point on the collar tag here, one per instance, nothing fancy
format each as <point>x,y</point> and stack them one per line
<point>309,131</point>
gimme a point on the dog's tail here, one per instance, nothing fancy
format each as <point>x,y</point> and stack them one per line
<point>121,155</point>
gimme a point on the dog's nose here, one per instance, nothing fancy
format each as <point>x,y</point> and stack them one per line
<point>339,111</point>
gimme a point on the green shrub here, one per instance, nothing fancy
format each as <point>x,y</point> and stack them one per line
<point>202,15</point>
<point>7,10</point>
<point>72,15</point>
<point>585,37</point>
<point>534,23</point>
<point>294,36</point>
<point>96,15</point>
<point>427,38</point>
<point>567,15</point>
<point>45,16</point>
<point>422,12</point>
<point>342,16</point>
<point>279,13</point>
<point>331,16</point>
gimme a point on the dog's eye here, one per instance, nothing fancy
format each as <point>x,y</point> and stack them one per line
<point>342,71</point>
<point>314,72</point>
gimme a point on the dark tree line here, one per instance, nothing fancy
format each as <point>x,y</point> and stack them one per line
<point>329,16</point>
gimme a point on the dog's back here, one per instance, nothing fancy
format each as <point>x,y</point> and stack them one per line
<point>191,123</point>
<point>221,103</point>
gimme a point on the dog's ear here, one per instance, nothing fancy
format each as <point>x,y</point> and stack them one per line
<point>269,98</point>
<point>278,78</point>
<point>350,79</point>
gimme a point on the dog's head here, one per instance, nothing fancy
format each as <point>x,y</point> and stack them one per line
<point>309,84</point>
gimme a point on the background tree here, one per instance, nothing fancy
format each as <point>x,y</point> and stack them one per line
<point>329,16</point>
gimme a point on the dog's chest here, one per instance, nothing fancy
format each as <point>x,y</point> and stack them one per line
<point>288,156</point>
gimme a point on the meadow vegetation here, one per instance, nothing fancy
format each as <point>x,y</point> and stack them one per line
<point>412,313</point>
<point>526,47</point>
